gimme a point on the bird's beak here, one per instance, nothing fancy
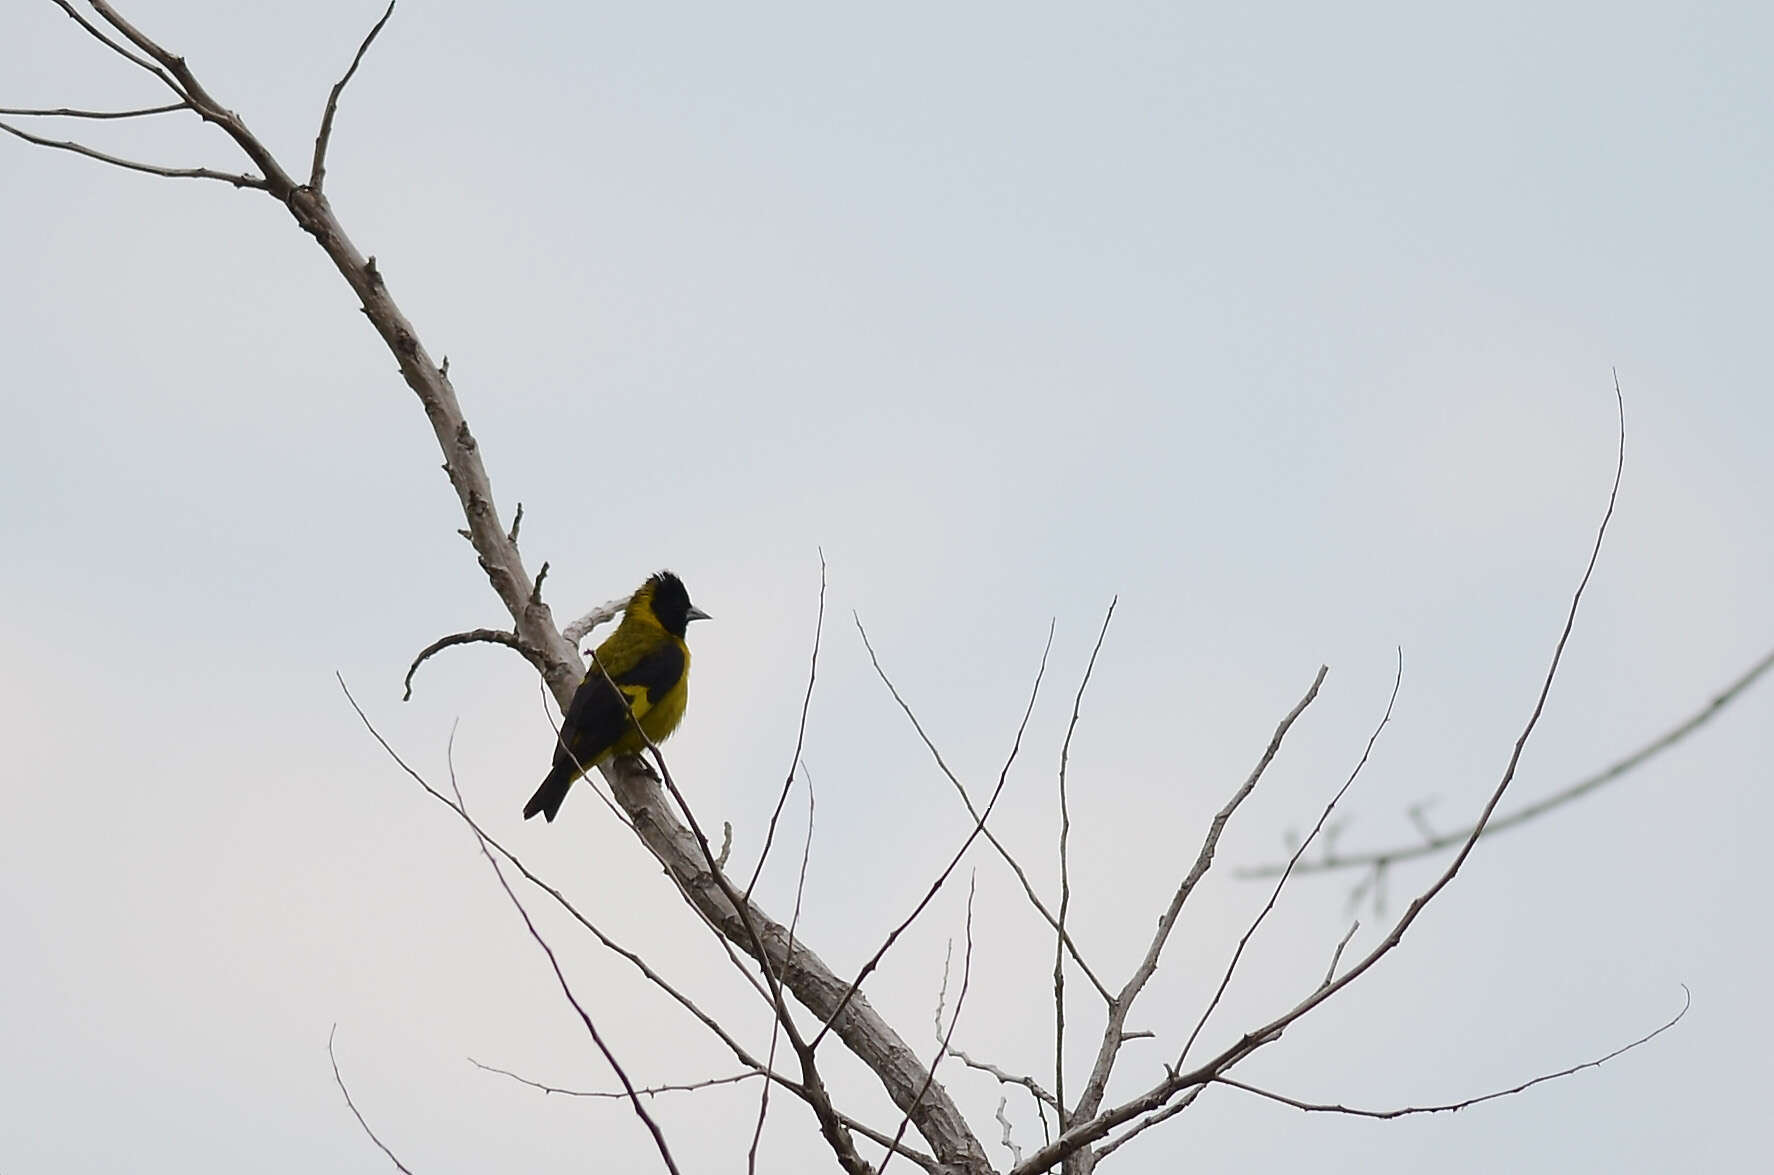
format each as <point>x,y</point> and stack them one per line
<point>696,613</point>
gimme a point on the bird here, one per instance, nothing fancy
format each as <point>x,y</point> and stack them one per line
<point>650,663</point>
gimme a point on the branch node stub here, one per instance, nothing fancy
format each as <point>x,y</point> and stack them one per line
<point>372,273</point>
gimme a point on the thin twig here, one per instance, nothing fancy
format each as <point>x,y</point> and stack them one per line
<point>561,976</point>
<point>1065,883</point>
<point>1145,1124</point>
<point>738,1050</point>
<point>197,173</point>
<point>751,1155</point>
<point>65,112</point>
<point>612,1094</point>
<point>492,636</point>
<point>1384,857</point>
<point>1451,1107</point>
<point>1275,894</point>
<point>954,1019</point>
<point>1028,1083</point>
<point>979,825</point>
<point>317,174</point>
<point>991,837</point>
<point>1009,1144</point>
<point>800,735</point>
<point>879,1137</point>
<point>1330,972</point>
<point>104,39</point>
<point>339,1080</point>
<point>1114,1032</point>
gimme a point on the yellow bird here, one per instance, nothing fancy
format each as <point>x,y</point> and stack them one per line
<point>650,663</point>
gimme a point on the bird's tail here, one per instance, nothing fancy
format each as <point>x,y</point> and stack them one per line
<point>548,797</point>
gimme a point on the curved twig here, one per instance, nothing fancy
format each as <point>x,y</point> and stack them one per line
<point>491,636</point>
<point>1452,1107</point>
<point>339,1080</point>
<point>317,174</point>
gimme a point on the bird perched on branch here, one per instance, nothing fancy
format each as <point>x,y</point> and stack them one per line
<point>647,659</point>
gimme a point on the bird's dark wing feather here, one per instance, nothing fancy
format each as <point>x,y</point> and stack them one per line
<point>597,716</point>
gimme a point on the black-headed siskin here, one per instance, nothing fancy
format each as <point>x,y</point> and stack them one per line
<point>650,663</point>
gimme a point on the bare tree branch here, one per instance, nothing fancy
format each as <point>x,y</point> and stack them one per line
<point>1098,1126</point>
<point>751,1156</point>
<point>613,1094</point>
<point>1114,1032</point>
<point>1146,1123</point>
<point>739,1051</point>
<point>185,84</point>
<point>602,614</point>
<point>881,1138</point>
<point>1380,858</point>
<point>104,39</point>
<point>1028,1083</point>
<point>1008,1143</point>
<point>942,1048</point>
<point>317,174</point>
<point>1330,972</point>
<point>1275,894</point>
<point>339,1080</point>
<point>979,825</point>
<point>198,173</point>
<point>1451,1107</point>
<point>800,737</point>
<point>561,977</point>
<point>831,1127</point>
<point>65,112</point>
<point>494,636</point>
<point>1065,883</point>
<point>991,837</point>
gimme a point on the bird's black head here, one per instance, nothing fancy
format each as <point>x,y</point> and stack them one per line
<point>670,604</point>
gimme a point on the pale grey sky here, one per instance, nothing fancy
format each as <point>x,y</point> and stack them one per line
<point>1292,325</point>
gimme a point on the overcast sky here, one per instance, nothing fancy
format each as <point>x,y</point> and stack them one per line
<point>1292,326</point>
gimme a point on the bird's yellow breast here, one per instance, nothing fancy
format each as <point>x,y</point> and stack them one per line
<point>659,719</point>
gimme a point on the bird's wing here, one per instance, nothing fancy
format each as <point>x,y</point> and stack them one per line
<point>597,718</point>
